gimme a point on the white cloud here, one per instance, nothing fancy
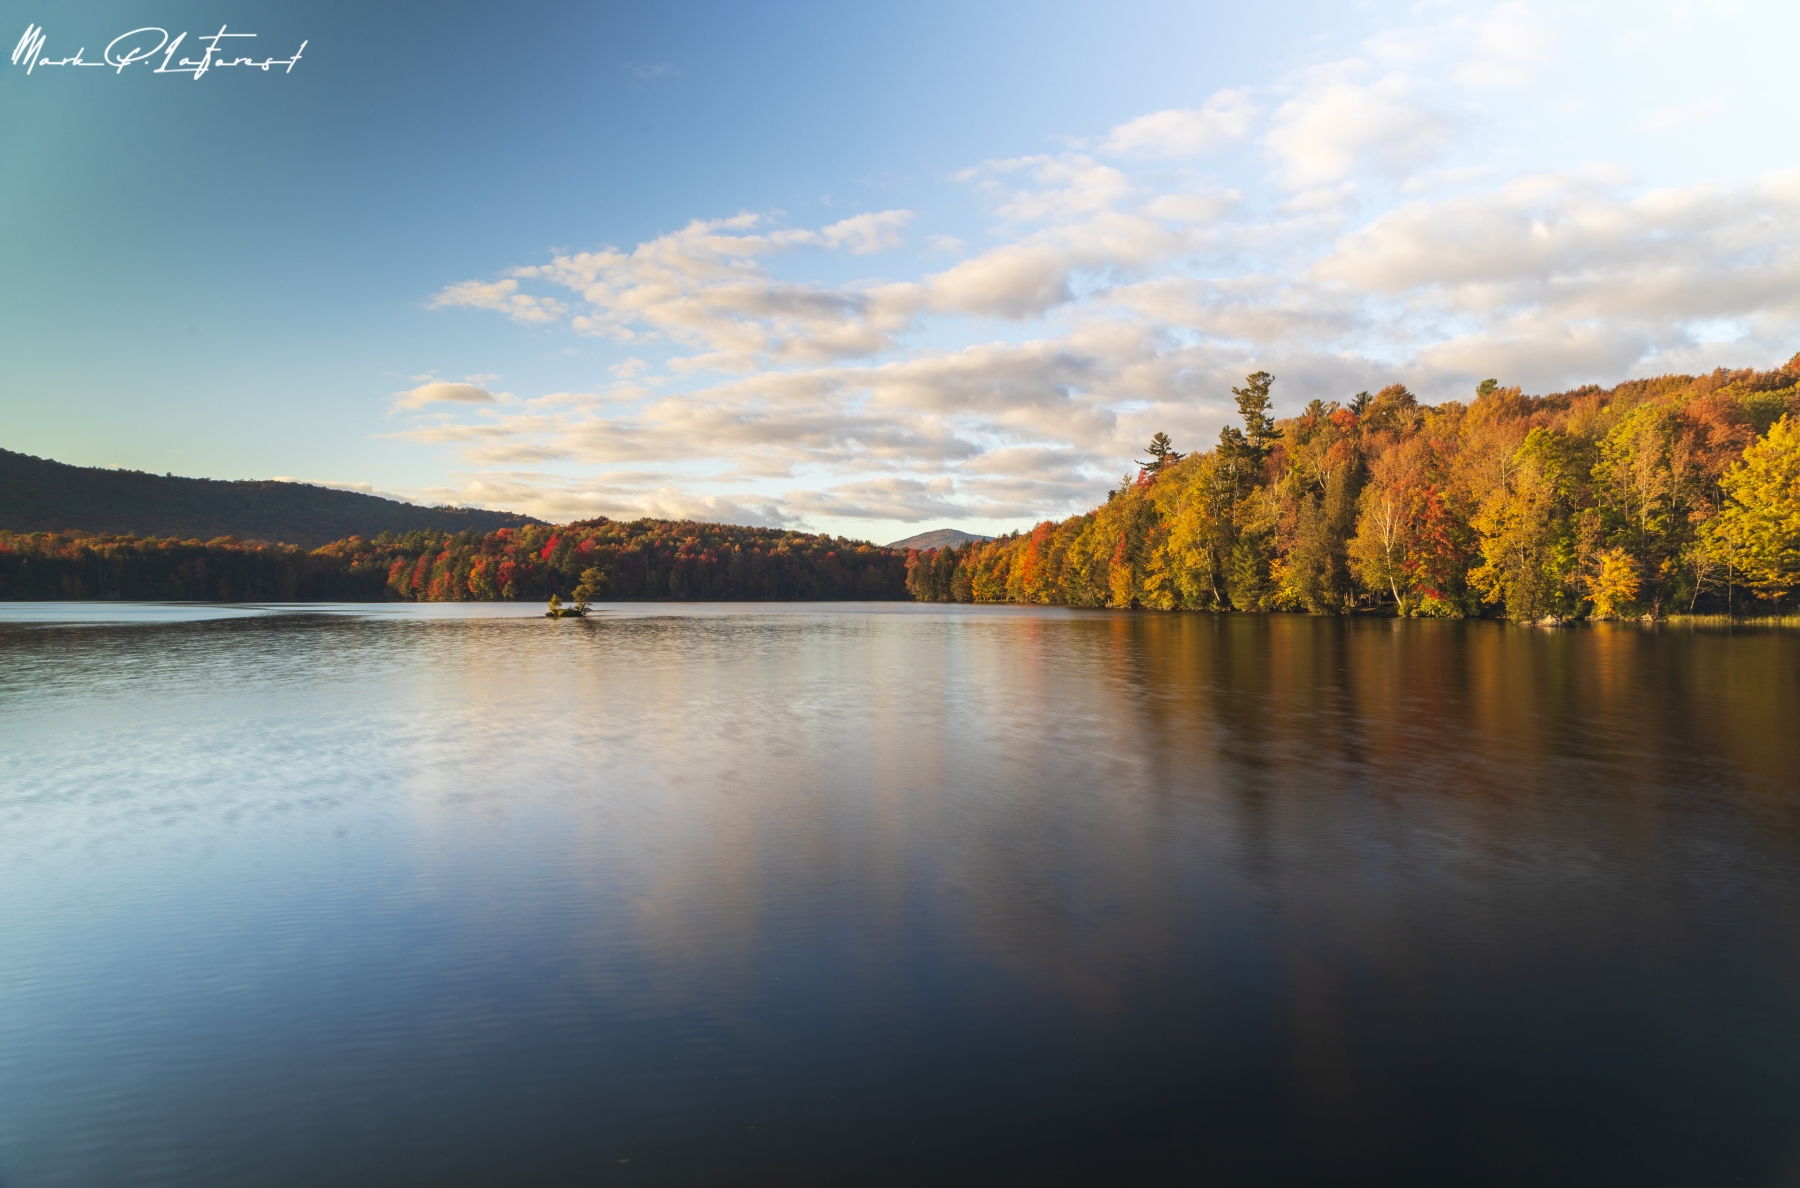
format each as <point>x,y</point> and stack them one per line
<point>672,503</point>
<point>1082,210</point>
<point>1193,208</point>
<point>1322,134</point>
<point>1502,47</point>
<point>442,392</point>
<point>1555,277</point>
<point>868,233</point>
<point>706,288</point>
<point>1014,281</point>
<point>1184,132</point>
<point>1511,46</point>
<point>1061,188</point>
<point>517,453</point>
<point>889,498</point>
<point>1550,242</point>
<point>560,500</point>
<point>502,295</point>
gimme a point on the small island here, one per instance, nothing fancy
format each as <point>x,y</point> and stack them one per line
<point>574,610</point>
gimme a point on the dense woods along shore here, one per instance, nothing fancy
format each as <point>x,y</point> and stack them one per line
<point>602,559</point>
<point>1679,494</point>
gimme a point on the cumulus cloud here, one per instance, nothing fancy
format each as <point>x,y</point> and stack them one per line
<point>1562,241</point>
<point>501,295</point>
<point>865,234</point>
<point>1185,131</point>
<point>907,500</point>
<point>1564,275</point>
<point>1510,46</point>
<point>517,453</point>
<point>442,392</point>
<point>707,287</point>
<point>1085,223</point>
<point>1014,281</point>
<point>1323,133</point>
<point>1058,188</point>
<point>628,497</point>
<point>1193,208</point>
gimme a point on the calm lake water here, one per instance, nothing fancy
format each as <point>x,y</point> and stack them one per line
<point>890,894</point>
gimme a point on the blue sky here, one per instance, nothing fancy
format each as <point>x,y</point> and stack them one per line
<point>863,268</point>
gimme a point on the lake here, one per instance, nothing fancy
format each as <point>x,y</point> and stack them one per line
<point>892,894</point>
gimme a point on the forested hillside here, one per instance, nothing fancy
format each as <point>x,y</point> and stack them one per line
<point>39,495</point>
<point>640,560</point>
<point>1659,496</point>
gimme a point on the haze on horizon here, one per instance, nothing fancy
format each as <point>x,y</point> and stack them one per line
<point>864,271</point>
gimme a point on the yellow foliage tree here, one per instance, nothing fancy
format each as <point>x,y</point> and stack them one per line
<point>1613,586</point>
<point>1758,528</point>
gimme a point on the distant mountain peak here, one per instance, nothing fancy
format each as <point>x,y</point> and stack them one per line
<point>938,538</point>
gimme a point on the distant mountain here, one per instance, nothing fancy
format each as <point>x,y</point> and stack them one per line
<point>938,538</point>
<point>39,495</point>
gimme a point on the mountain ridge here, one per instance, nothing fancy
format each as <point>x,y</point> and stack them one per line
<point>43,495</point>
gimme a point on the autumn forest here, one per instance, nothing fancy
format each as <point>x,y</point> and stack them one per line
<point>603,559</point>
<point>1671,495</point>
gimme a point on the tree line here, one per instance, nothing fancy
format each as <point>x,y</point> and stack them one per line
<point>1679,494</point>
<point>596,559</point>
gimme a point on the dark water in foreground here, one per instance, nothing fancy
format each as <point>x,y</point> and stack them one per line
<point>894,895</point>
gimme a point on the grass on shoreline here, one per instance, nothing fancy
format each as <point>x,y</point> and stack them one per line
<point>1733,620</point>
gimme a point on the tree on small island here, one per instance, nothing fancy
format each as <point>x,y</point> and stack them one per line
<point>559,611</point>
<point>593,581</point>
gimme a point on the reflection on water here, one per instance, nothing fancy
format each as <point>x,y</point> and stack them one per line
<point>894,894</point>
